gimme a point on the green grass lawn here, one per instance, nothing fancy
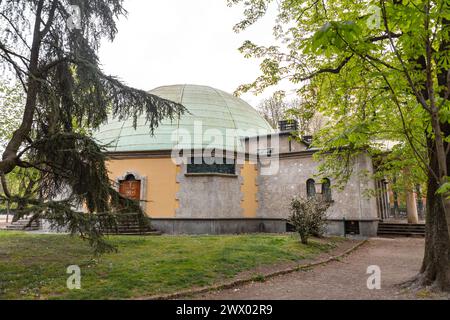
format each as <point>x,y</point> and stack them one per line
<point>34,266</point>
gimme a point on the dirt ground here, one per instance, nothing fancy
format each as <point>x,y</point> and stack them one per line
<point>398,259</point>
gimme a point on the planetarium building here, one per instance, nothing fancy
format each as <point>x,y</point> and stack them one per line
<point>221,168</point>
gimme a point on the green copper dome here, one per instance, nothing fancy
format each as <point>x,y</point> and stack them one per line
<point>213,114</point>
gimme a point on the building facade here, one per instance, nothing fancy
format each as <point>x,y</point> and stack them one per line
<point>221,168</point>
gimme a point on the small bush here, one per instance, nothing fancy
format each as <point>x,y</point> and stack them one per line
<point>308,217</point>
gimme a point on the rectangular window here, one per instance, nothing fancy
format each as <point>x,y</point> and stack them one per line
<point>216,165</point>
<point>351,227</point>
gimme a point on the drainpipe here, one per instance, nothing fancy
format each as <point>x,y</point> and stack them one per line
<point>7,211</point>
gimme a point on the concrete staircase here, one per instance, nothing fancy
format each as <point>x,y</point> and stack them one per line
<point>131,225</point>
<point>24,225</point>
<point>401,229</point>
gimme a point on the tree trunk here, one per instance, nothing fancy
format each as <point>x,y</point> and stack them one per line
<point>7,211</point>
<point>303,238</point>
<point>411,207</point>
<point>443,77</point>
<point>9,158</point>
<point>435,269</point>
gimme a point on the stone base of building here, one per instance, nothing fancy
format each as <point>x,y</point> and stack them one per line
<point>361,227</point>
<point>219,226</point>
<point>335,227</point>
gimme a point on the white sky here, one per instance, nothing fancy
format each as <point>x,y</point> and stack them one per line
<point>184,41</point>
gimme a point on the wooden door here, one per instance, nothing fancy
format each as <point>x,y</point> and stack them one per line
<point>131,189</point>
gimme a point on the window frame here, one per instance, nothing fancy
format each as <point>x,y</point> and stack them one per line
<point>326,190</point>
<point>311,188</point>
<point>220,169</point>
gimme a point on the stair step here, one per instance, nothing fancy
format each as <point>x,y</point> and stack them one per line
<point>23,225</point>
<point>128,224</point>
<point>147,233</point>
<point>127,231</point>
<point>401,229</point>
<point>401,234</point>
<point>22,229</point>
<point>403,225</point>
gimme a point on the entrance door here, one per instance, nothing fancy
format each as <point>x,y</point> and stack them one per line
<point>130,188</point>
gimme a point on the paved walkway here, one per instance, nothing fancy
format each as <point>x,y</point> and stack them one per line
<point>399,260</point>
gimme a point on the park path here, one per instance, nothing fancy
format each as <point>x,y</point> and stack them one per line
<point>399,260</point>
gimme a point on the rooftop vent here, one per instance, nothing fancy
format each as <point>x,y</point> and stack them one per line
<point>288,125</point>
<point>307,139</point>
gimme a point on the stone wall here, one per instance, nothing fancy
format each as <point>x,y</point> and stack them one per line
<point>276,191</point>
<point>219,226</point>
<point>209,196</point>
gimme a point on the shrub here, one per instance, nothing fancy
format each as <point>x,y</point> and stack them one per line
<point>308,217</point>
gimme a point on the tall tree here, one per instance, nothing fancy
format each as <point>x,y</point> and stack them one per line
<point>309,118</point>
<point>20,181</point>
<point>51,48</point>
<point>11,109</point>
<point>277,108</point>
<point>273,109</point>
<point>381,70</point>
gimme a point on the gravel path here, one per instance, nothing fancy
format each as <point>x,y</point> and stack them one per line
<point>398,259</point>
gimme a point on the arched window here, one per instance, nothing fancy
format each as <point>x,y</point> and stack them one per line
<point>310,188</point>
<point>130,177</point>
<point>326,189</point>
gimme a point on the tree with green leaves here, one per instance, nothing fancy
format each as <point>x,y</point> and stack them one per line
<point>381,71</point>
<point>21,181</point>
<point>308,216</point>
<point>273,109</point>
<point>50,46</point>
<point>11,108</point>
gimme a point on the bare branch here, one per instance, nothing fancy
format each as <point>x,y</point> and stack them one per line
<point>18,33</point>
<point>328,70</point>
<point>5,185</point>
<point>49,22</point>
<point>385,37</point>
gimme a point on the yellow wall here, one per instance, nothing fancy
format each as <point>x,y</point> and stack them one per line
<point>161,182</point>
<point>162,186</point>
<point>249,188</point>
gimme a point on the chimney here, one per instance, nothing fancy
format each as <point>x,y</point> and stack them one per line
<point>307,139</point>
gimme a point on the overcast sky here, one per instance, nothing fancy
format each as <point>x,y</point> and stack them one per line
<point>184,41</point>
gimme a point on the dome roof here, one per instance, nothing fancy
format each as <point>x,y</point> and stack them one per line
<point>211,113</point>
